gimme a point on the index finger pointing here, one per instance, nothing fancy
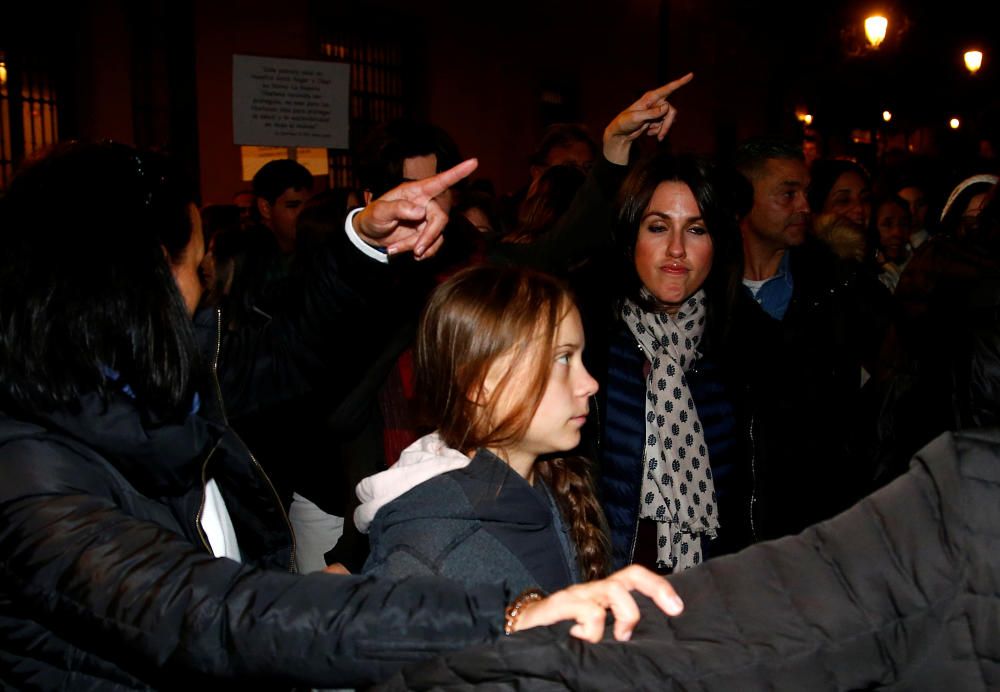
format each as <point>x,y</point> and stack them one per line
<point>670,87</point>
<point>436,184</point>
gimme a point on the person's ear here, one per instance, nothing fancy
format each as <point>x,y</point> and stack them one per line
<point>264,209</point>
<point>479,394</point>
<point>367,194</point>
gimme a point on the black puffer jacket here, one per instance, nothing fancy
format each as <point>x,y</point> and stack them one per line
<point>898,593</point>
<point>107,582</point>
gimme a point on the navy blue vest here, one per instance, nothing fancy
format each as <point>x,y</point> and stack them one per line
<point>624,426</point>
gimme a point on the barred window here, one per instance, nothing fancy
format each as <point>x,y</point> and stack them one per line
<point>377,93</point>
<point>29,114</point>
<point>6,155</point>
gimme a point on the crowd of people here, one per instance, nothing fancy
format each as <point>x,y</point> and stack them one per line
<point>304,440</point>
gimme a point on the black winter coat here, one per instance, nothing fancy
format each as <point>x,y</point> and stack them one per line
<point>898,593</point>
<point>107,581</point>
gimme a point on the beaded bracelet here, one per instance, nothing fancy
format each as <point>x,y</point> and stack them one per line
<point>514,610</point>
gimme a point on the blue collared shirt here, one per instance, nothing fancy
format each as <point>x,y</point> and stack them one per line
<point>775,293</point>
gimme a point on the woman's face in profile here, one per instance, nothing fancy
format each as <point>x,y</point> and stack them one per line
<point>971,212</point>
<point>673,250</point>
<point>185,268</point>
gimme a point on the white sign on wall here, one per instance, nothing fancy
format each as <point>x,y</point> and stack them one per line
<point>290,103</point>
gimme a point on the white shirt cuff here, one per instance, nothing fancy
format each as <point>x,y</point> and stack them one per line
<point>356,240</point>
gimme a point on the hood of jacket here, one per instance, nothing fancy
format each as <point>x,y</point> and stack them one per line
<point>158,459</point>
<point>166,462</point>
<point>424,459</point>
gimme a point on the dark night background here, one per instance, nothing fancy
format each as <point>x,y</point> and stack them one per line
<point>157,73</point>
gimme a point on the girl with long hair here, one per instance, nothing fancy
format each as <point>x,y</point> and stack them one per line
<point>486,497</point>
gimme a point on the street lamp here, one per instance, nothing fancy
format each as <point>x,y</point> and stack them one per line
<point>973,60</point>
<point>875,27</point>
<point>954,123</point>
<point>886,116</point>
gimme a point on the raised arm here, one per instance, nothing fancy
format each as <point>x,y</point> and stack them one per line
<point>652,115</point>
<point>585,230</point>
<point>328,321</point>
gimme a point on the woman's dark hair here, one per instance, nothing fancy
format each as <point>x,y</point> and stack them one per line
<point>714,190</point>
<point>952,219</point>
<point>88,303</point>
<point>823,175</point>
<point>477,196</point>
<point>561,135</point>
<point>547,200</point>
<point>474,320</point>
<point>218,219</point>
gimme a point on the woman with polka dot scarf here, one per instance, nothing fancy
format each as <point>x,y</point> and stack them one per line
<point>667,424</point>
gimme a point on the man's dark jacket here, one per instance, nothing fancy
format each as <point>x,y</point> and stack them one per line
<point>809,424</point>
<point>283,368</point>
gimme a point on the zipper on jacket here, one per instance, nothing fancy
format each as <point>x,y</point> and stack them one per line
<point>635,537</point>
<point>753,481</point>
<point>638,509</point>
<point>225,418</point>
<point>201,506</point>
<point>597,422</point>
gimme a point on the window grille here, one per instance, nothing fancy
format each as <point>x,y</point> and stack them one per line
<point>6,152</point>
<point>29,113</point>
<point>377,93</point>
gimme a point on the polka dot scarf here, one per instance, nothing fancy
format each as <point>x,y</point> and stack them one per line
<point>677,488</point>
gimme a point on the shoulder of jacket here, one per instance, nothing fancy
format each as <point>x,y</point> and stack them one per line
<point>439,497</point>
<point>50,463</point>
<point>985,439</point>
